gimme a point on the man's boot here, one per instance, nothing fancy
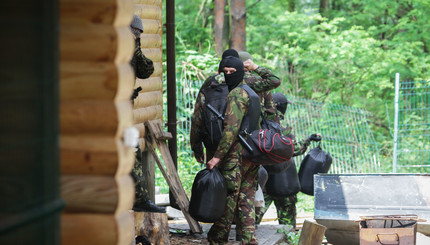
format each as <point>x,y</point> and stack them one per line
<point>148,206</point>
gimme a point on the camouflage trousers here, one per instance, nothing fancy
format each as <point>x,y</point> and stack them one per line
<point>241,180</point>
<point>140,185</point>
<point>285,209</point>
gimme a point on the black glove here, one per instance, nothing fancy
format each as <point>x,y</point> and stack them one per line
<point>315,137</point>
<point>136,93</point>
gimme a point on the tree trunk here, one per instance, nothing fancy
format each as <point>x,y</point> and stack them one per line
<point>323,6</point>
<point>238,23</point>
<point>291,5</point>
<point>154,226</point>
<point>219,25</point>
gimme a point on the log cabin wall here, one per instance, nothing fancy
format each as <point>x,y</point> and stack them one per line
<point>96,82</point>
<point>149,102</point>
<point>148,105</point>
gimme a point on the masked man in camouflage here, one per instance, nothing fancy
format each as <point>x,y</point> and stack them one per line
<point>143,68</point>
<point>240,174</point>
<point>286,206</point>
<point>259,78</point>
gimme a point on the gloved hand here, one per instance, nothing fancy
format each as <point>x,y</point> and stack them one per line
<point>315,137</point>
<point>136,93</point>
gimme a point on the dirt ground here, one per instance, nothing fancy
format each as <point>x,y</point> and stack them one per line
<point>187,239</point>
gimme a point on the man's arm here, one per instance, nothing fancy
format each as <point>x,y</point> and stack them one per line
<point>268,82</point>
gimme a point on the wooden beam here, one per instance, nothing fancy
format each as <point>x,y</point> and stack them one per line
<point>312,233</point>
<point>169,171</point>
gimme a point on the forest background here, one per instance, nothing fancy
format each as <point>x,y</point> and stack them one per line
<point>343,52</point>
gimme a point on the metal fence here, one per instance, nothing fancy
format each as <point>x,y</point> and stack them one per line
<point>346,133</point>
<point>411,153</point>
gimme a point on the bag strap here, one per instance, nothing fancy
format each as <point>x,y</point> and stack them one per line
<point>251,119</point>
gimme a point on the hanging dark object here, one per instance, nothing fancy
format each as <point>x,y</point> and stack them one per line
<point>262,176</point>
<point>316,161</point>
<point>278,168</point>
<point>208,196</point>
<point>285,183</point>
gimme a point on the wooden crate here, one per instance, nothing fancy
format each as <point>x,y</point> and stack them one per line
<point>388,229</point>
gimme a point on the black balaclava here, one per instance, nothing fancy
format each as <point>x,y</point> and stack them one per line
<point>228,52</point>
<point>232,80</point>
<point>281,102</point>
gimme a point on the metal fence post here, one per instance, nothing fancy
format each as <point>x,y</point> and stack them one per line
<point>396,121</point>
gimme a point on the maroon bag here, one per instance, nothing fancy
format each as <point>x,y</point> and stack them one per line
<point>268,147</point>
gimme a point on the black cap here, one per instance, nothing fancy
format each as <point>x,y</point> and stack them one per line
<point>281,102</point>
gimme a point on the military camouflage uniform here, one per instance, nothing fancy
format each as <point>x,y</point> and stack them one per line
<point>285,206</point>
<point>141,188</point>
<point>143,68</point>
<point>240,174</point>
<point>261,81</point>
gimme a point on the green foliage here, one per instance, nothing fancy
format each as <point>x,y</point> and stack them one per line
<point>293,237</point>
<point>305,203</point>
<point>347,54</point>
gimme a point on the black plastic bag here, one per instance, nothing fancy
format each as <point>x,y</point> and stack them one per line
<point>208,196</point>
<point>262,176</point>
<point>285,183</point>
<point>316,161</point>
<point>277,168</point>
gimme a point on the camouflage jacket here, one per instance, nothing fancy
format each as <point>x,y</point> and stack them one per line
<point>143,67</point>
<point>237,107</point>
<point>261,80</point>
<point>300,146</point>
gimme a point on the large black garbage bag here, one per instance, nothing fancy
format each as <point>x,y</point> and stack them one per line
<point>285,183</point>
<point>208,196</point>
<point>277,168</point>
<point>262,176</point>
<point>316,161</point>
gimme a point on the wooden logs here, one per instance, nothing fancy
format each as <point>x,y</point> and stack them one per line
<point>153,226</point>
<point>95,80</point>
<point>84,12</point>
<point>152,26</point>
<point>149,11</point>
<point>147,113</point>
<point>97,193</point>
<point>150,84</point>
<point>149,2</point>
<point>96,47</point>
<point>148,99</point>
<point>150,40</point>
<point>312,233</point>
<point>96,43</point>
<point>154,54</point>
<point>97,229</point>
<point>94,116</point>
